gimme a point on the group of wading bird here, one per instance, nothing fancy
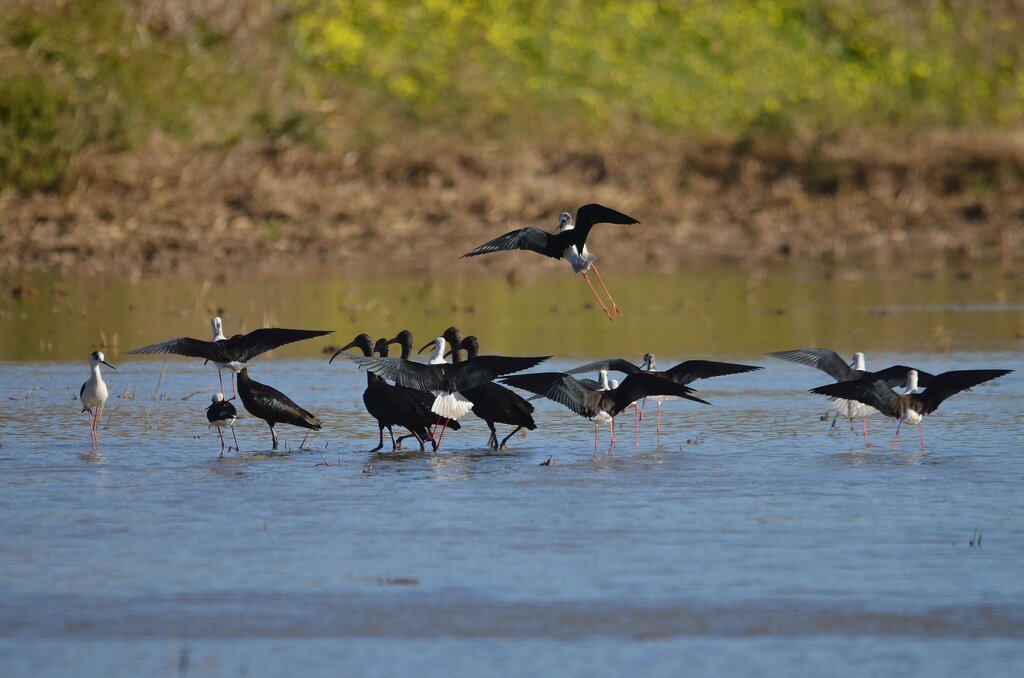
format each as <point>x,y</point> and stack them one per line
<point>426,399</point>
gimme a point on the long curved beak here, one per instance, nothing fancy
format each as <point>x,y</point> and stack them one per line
<point>425,347</point>
<point>394,341</point>
<point>340,350</point>
<point>108,364</point>
<point>448,353</point>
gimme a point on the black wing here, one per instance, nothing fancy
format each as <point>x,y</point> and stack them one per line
<point>407,373</point>
<point>826,360</point>
<point>260,341</point>
<point>591,214</point>
<point>193,348</point>
<point>529,238</point>
<point>896,376</point>
<point>637,386</point>
<point>561,388</point>
<point>613,364</point>
<point>692,370</point>
<point>487,368</point>
<point>869,390</point>
<point>950,383</point>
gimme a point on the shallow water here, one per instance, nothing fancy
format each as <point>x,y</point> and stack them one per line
<point>747,541</point>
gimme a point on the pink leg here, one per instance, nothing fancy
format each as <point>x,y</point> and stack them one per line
<point>595,440</point>
<point>920,433</point>
<point>443,427</point>
<point>865,427</point>
<point>611,427</point>
<point>220,435</point>
<point>236,439</point>
<point>605,308</point>
<point>659,421</point>
<point>615,307</point>
<point>636,423</point>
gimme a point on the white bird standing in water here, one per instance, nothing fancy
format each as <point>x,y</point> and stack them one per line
<point>94,394</point>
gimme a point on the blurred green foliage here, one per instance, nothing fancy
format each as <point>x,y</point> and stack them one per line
<point>77,73</point>
<point>724,66</point>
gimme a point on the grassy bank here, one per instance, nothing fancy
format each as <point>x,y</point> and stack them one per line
<point>338,74</point>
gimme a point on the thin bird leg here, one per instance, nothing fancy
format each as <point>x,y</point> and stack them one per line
<point>897,437</point>
<point>852,429</point>
<point>443,427</point>
<point>595,439</point>
<point>611,427</point>
<point>236,439</point>
<point>636,423</point>
<point>220,375</point>
<point>615,307</point>
<point>643,403</point>
<point>221,436</point>
<point>920,433</point>
<point>605,308</point>
<point>865,428</point>
<point>502,445</point>
<point>392,434</point>
<point>659,421</point>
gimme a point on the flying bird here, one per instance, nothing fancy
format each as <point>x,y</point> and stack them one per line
<point>569,243</point>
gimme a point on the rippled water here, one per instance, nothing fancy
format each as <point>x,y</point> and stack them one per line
<point>747,542</point>
<point>748,532</point>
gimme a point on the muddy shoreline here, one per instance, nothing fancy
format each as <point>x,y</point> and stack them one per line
<point>172,209</point>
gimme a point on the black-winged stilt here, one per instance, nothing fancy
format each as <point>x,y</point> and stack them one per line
<point>230,354</point>
<point>829,362</point>
<point>222,414</point>
<point>267,403</point>
<point>909,407</point>
<point>597,405</point>
<point>405,340</point>
<point>93,394</point>
<point>569,243</point>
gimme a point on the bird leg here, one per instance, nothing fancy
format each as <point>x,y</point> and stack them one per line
<point>273,434</point>
<point>236,439</point>
<point>611,427</point>
<point>492,440</point>
<point>865,428</point>
<point>380,444</point>
<point>392,434</point>
<point>920,433</point>
<point>659,422</point>
<point>897,436</point>
<point>502,446</point>
<point>603,307</point>
<point>615,307</point>
<point>832,428</point>
<point>221,436</point>
<point>443,427</point>
<point>636,423</point>
<point>595,440</point>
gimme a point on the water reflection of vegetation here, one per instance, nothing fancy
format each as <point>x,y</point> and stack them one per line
<point>704,312</point>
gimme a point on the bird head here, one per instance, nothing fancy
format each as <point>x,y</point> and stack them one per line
<point>858,362</point>
<point>438,345</point>
<point>218,328</point>
<point>362,341</point>
<point>218,397</point>
<point>96,358</point>
<point>380,347</point>
<point>471,346</point>
<point>648,362</point>
<point>564,221</point>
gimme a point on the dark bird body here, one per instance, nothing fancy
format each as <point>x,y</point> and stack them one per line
<point>601,406</point>
<point>222,414</point>
<point>910,407</point>
<point>494,403</point>
<point>230,353</point>
<point>391,405</point>
<point>569,242</point>
<point>829,362</point>
<point>267,403</point>
<point>405,340</point>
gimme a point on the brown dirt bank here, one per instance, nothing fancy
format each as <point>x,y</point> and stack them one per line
<point>170,208</point>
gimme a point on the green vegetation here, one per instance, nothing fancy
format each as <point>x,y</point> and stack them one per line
<point>93,72</point>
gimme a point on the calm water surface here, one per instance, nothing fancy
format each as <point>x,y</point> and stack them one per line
<point>748,541</point>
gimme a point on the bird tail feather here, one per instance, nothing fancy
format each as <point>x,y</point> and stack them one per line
<point>451,405</point>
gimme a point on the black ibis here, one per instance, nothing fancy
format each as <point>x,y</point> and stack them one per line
<point>493,402</point>
<point>222,414</point>
<point>267,403</point>
<point>93,394</point>
<point>569,243</point>
<point>909,407</point>
<point>391,405</point>
<point>230,354</point>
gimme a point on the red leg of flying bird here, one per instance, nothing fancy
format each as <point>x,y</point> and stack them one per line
<point>596,295</point>
<point>615,307</point>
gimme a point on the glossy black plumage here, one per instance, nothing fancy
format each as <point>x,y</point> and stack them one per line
<point>875,391</point>
<point>554,244</point>
<point>391,405</point>
<point>493,402</point>
<point>240,348</point>
<point>267,403</point>
<point>684,373</point>
<point>567,391</point>
<point>405,340</point>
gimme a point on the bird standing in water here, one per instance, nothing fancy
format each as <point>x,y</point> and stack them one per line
<point>93,394</point>
<point>267,403</point>
<point>222,414</point>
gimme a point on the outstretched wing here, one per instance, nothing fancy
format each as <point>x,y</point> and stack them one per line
<point>897,376</point>
<point>405,372</point>
<point>559,387</point>
<point>637,386</point>
<point>826,360</point>
<point>869,390</point>
<point>529,238</point>
<point>260,341</point>
<point>591,214</point>
<point>613,364</point>
<point>192,348</point>
<point>692,370</point>
<point>486,368</point>
<point>950,383</point>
